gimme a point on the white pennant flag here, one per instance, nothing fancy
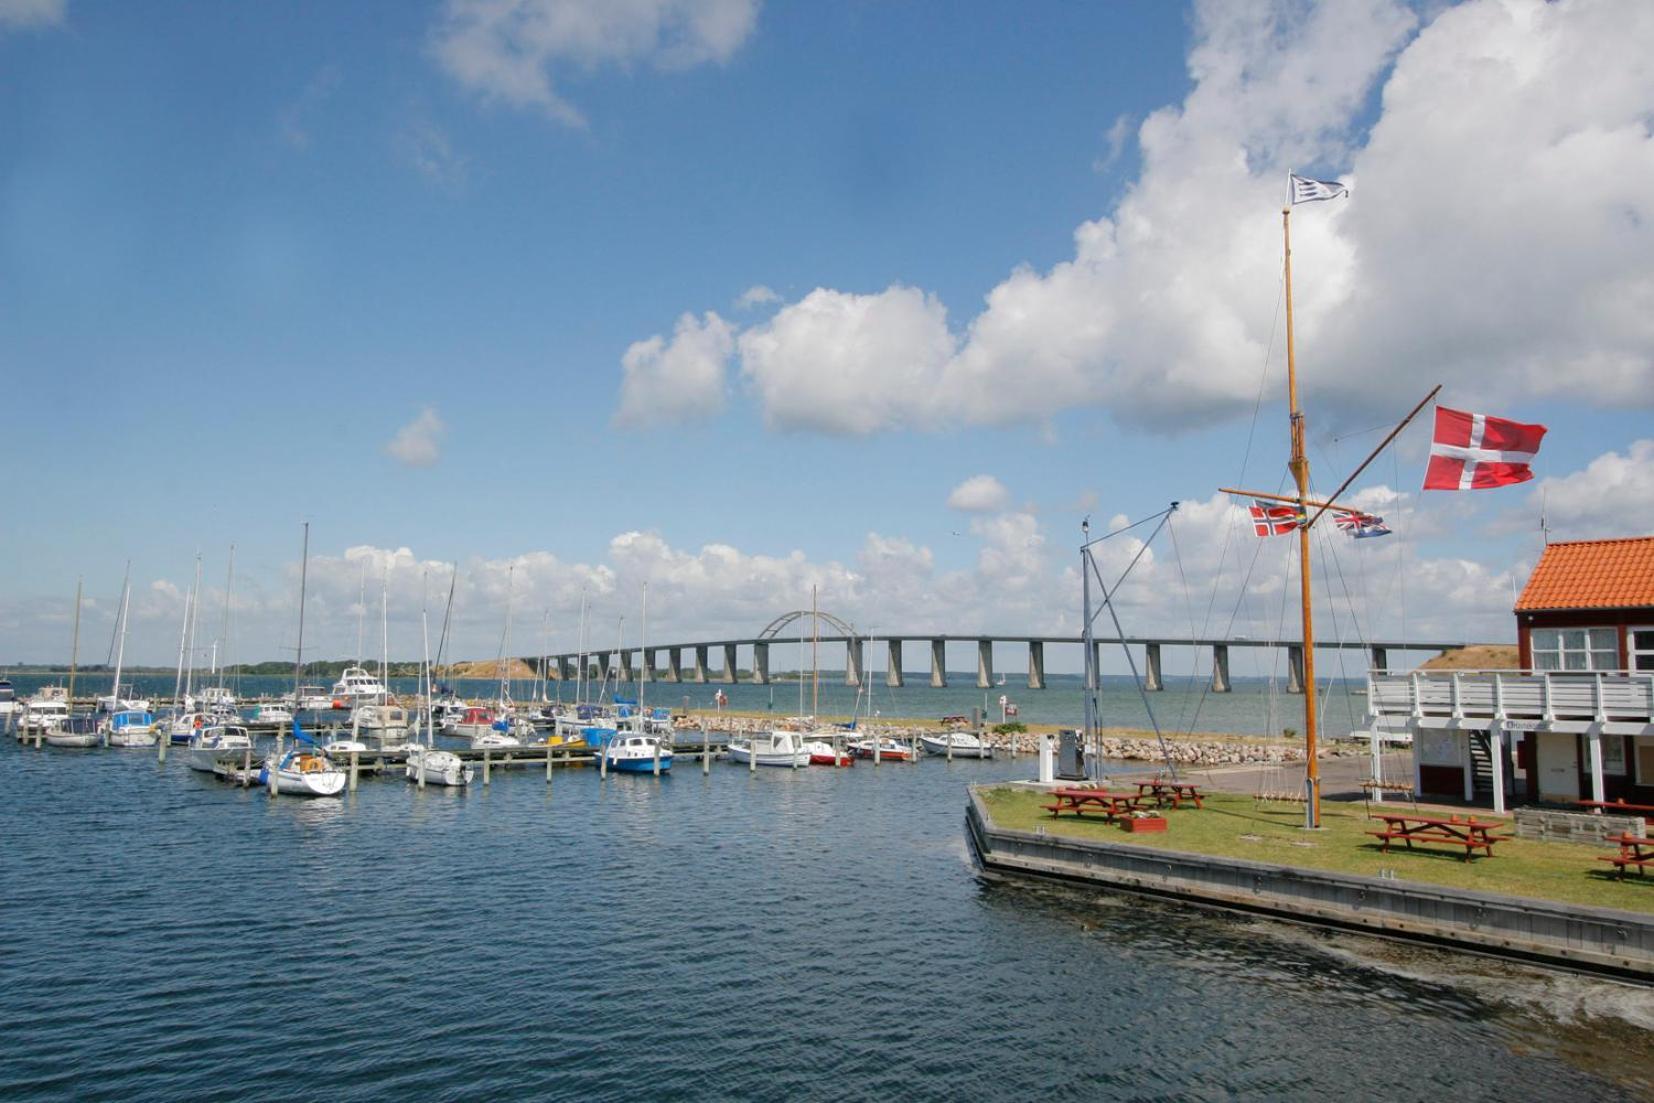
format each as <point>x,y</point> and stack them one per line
<point>1305,190</point>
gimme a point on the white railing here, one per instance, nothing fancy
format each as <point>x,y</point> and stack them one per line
<point>1600,696</point>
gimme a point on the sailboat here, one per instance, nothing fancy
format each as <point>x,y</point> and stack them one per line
<point>306,771</point>
<point>636,751</point>
<point>71,730</point>
<point>425,764</point>
<point>129,725</point>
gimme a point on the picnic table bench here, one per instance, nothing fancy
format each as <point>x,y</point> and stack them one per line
<point>1470,833</point>
<point>1163,790</point>
<point>1646,811</point>
<point>1082,801</point>
<point>1633,852</point>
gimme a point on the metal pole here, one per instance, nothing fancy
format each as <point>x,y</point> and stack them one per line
<point>1299,466</point>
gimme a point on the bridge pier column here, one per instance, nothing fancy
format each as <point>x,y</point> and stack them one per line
<point>1036,664</point>
<point>651,661</point>
<point>565,670</point>
<point>626,673</point>
<point>700,665</point>
<point>984,663</point>
<point>853,656</point>
<point>1380,659</point>
<point>674,664</point>
<point>729,663</point>
<point>893,664</point>
<point>761,664</point>
<point>1220,668</point>
<point>603,661</point>
<point>1295,668</point>
<point>938,664</point>
<point>1151,668</point>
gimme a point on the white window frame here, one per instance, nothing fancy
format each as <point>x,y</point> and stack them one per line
<point>1575,649</point>
<point>1633,652</point>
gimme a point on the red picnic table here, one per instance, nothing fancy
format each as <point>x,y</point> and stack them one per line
<point>1470,833</point>
<point>1633,852</point>
<point>1646,811</point>
<point>1163,790</point>
<point>1082,801</point>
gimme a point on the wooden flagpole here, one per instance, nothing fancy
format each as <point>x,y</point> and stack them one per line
<point>1299,466</point>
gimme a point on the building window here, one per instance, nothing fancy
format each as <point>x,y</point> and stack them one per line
<point>1642,648</point>
<point>1576,649</point>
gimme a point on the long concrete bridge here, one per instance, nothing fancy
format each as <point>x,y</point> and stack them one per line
<point>631,661</point>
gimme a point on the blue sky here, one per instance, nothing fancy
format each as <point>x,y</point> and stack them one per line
<point>242,246</point>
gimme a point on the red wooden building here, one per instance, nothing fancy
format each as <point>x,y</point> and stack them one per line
<point>1589,606</point>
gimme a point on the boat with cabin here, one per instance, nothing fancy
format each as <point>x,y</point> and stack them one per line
<point>437,767</point>
<point>958,744</point>
<point>775,748</point>
<point>882,748</point>
<point>131,728</point>
<point>636,754</point>
<point>220,748</point>
<point>357,686</point>
<point>75,731</point>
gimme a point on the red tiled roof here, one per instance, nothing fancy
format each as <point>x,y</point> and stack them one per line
<point>1592,574</point>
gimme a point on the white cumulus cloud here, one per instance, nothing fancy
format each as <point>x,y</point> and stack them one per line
<point>1613,495</point>
<point>418,443</point>
<point>979,494</point>
<point>756,295</point>
<point>1501,217</point>
<point>679,379</point>
<point>511,50</point>
<point>33,13</point>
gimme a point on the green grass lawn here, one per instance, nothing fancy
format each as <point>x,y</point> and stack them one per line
<point>1234,826</point>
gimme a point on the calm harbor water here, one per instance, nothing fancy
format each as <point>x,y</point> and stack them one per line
<point>771,936</point>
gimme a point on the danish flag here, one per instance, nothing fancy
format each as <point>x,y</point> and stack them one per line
<point>1476,451</point>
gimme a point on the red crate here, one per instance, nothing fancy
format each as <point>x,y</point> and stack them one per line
<point>1146,823</point>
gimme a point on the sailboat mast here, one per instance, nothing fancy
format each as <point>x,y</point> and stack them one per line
<point>74,648</point>
<point>643,652</point>
<point>1300,473</point>
<point>120,648</point>
<point>224,632</point>
<point>815,659</point>
<point>385,630</point>
<point>183,640</point>
<point>304,577</point>
<point>195,619</point>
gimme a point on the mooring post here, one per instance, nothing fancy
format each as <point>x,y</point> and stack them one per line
<point>246,766</point>
<point>603,760</point>
<point>949,737</point>
<point>353,769</point>
<point>657,758</point>
<point>706,752</point>
<point>161,741</point>
<point>548,760</point>
<point>487,765</point>
<point>752,754</point>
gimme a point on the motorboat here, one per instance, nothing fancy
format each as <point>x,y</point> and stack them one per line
<point>75,731</point>
<point>437,767</point>
<point>131,728</point>
<point>473,722</point>
<point>42,714</point>
<point>961,744</point>
<point>183,727</point>
<point>220,748</point>
<point>10,706</point>
<point>887,749</point>
<point>312,699</point>
<point>272,713</point>
<point>344,747</point>
<point>494,739</point>
<point>218,699</point>
<point>636,754</point>
<point>823,753</point>
<point>380,721</point>
<point>776,748</point>
<point>356,686</point>
<point>303,772</point>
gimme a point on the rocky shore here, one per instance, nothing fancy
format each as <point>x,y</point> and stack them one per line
<point>1200,749</point>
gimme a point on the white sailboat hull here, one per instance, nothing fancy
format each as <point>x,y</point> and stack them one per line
<point>57,737</point>
<point>745,756</point>
<point>439,768</point>
<point>289,781</point>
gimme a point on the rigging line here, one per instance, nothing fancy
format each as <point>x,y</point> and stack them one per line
<point>1229,628</point>
<point>1110,535</point>
<point>1188,603</point>
<point>1360,433</point>
<point>1120,634</point>
<point>1337,631</point>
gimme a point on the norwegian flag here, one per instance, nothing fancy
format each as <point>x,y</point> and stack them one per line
<point>1476,451</point>
<point>1272,519</point>
<point>1361,525</point>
